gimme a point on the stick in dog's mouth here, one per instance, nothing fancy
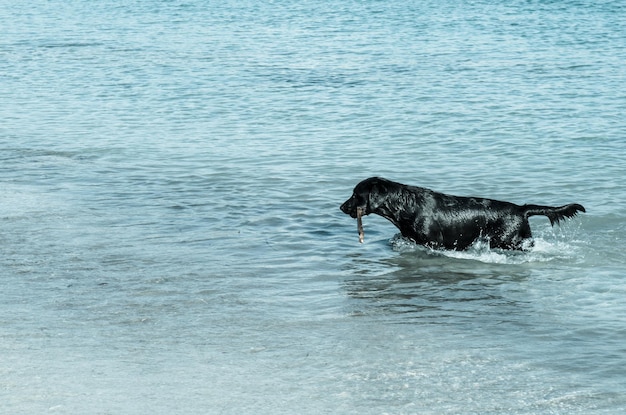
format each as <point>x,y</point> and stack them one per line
<point>359,224</point>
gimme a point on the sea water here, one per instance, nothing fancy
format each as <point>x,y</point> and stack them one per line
<point>170,180</point>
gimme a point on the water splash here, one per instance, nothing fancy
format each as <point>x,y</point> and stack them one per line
<point>541,250</point>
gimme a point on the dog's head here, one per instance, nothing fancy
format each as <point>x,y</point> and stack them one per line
<point>367,196</point>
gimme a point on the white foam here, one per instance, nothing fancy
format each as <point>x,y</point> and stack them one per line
<point>541,250</point>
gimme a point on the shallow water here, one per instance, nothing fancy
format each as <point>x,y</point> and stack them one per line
<point>171,175</point>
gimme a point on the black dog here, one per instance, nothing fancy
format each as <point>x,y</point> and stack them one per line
<point>438,220</point>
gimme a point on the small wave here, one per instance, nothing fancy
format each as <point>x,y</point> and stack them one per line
<point>70,45</point>
<point>541,250</point>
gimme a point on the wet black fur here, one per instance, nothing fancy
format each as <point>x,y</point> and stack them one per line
<point>438,220</point>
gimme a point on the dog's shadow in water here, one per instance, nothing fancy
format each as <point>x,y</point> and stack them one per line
<point>430,286</point>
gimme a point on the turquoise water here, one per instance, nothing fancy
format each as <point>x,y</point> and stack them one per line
<point>170,181</point>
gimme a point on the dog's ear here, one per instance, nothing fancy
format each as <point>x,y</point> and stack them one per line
<point>377,194</point>
<point>378,187</point>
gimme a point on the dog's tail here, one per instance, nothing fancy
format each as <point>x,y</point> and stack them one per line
<point>555,214</point>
